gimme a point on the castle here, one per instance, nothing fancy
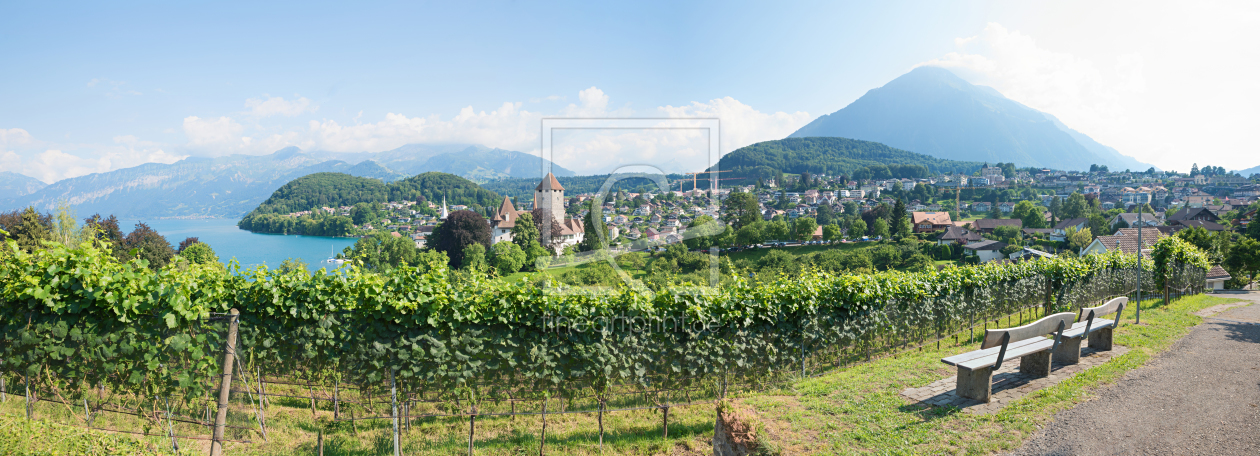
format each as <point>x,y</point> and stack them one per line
<point>549,196</point>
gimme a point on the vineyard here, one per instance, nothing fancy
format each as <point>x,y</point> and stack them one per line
<point>116,346</point>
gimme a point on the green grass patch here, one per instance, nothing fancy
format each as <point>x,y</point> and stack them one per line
<point>859,409</point>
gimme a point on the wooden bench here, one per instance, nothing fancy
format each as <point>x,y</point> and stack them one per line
<point>975,369</point>
<point>1088,324</point>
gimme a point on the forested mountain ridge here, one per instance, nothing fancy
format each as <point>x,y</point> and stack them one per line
<point>834,156</point>
<point>932,111</point>
<point>335,190</point>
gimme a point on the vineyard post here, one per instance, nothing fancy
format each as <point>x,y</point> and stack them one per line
<point>665,422</point>
<point>319,441</point>
<point>601,424</point>
<point>472,426</point>
<point>225,388</point>
<point>393,398</point>
<point>170,426</point>
<point>27,379</point>
<point>542,439</point>
<point>4,392</point>
<point>336,397</point>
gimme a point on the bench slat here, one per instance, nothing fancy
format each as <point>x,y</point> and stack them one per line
<point>1047,325</point>
<point>1078,329</point>
<point>1011,353</point>
<point>964,357</point>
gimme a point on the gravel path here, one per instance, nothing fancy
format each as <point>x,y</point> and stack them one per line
<point>1200,397</point>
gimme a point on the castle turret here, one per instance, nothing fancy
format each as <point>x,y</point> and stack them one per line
<point>549,196</point>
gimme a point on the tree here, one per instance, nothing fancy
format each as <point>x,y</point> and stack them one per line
<point>473,258</point>
<point>362,213</point>
<point>851,208</point>
<point>703,232</point>
<point>1075,207</point>
<point>524,233</point>
<point>751,234</point>
<point>880,228</point>
<point>1216,246</point>
<point>832,233</point>
<point>1253,228</point>
<point>549,228</point>
<point>777,230</point>
<point>149,246</point>
<point>293,266</point>
<point>199,253</point>
<point>1079,239</point>
<point>898,214</point>
<point>1056,209</point>
<point>1030,214</point>
<point>803,228</point>
<point>595,236</point>
<point>1008,234</point>
<point>507,257</point>
<point>382,251</point>
<point>825,214</point>
<point>187,242</point>
<point>29,228</point>
<point>740,209</point>
<point>1244,259</point>
<point>460,229</point>
<point>857,229</point>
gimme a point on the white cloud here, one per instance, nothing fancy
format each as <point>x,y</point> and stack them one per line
<point>273,106</point>
<point>1069,87</point>
<point>51,162</point>
<point>508,127</point>
<point>221,133</point>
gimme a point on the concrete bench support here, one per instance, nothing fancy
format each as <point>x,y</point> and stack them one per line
<point>1069,351</point>
<point>1100,339</point>
<point>975,384</point>
<point>1036,364</point>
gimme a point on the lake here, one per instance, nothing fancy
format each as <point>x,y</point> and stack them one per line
<point>251,249</point>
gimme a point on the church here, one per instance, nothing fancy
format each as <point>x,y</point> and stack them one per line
<point>549,196</point>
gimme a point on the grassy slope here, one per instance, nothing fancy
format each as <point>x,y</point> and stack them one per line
<point>860,409</point>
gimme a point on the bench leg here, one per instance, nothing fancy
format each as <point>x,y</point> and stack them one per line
<point>1035,364</point>
<point>1069,351</point>
<point>1100,339</point>
<point>975,384</point>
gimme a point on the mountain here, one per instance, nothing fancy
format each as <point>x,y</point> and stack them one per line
<point>834,156</point>
<point>1249,171</point>
<point>14,185</point>
<point>374,170</point>
<point>932,111</point>
<point>233,185</point>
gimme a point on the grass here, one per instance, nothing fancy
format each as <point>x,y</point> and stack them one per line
<point>852,410</point>
<point>860,410</point>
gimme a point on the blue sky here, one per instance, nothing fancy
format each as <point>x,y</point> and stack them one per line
<point>93,87</point>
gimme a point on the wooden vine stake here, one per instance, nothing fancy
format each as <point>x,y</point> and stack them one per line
<point>319,441</point>
<point>27,379</point>
<point>393,399</point>
<point>225,388</point>
<point>542,440</point>
<point>336,397</point>
<point>601,424</point>
<point>665,422</point>
<point>472,426</point>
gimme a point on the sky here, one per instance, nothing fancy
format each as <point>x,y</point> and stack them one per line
<point>94,87</point>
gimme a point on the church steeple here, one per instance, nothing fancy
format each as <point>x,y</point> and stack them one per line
<point>444,212</point>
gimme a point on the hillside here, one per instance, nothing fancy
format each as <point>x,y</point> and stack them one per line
<point>14,185</point>
<point>834,156</point>
<point>336,190</point>
<point>932,111</point>
<point>523,189</point>
<point>234,185</point>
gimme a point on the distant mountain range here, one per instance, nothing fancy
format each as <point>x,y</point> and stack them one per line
<point>932,111</point>
<point>231,186</point>
<point>1249,171</point>
<point>14,185</point>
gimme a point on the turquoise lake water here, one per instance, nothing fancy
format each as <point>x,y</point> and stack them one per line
<point>250,249</point>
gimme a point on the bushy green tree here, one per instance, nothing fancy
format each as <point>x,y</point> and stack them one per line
<point>741,209</point>
<point>199,253</point>
<point>460,229</point>
<point>1030,214</point>
<point>473,258</point>
<point>507,257</point>
<point>857,229</point>
<point>382,251</point>
<point>880,228</point>
<point>803,228</point>
<point>832,233</point>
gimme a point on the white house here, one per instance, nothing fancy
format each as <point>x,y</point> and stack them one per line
<point>986,250</point>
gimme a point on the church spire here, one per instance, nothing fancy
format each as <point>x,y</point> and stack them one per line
<point>444,212</point>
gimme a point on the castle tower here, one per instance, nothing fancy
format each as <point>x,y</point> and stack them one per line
<point>550,196</point>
